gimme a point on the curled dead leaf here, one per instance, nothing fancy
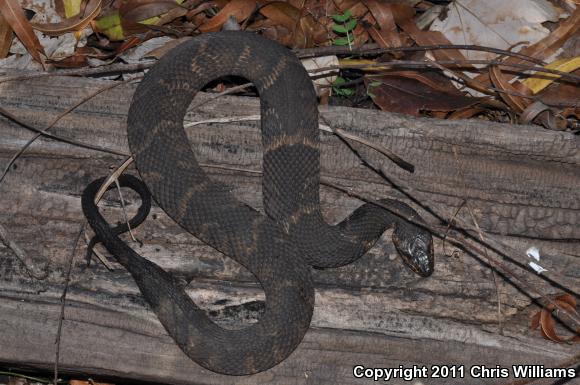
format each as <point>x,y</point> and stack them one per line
<point>5,37</point>
<point>240,9</point>
<point>92,9</point>
<point>386,34</point>
<point>14,16</point>
<point>135,11</point>
<point>544,318</point>
<point>289,26</point>
<point>518,103</point>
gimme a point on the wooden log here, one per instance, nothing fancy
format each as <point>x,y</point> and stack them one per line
<point>520,182</point>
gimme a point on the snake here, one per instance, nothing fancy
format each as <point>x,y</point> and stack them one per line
<point>280,244</point>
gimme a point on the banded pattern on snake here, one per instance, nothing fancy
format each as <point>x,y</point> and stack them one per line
<point>279,247</point>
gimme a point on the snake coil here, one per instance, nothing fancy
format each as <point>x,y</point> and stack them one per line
<point>278,247</point>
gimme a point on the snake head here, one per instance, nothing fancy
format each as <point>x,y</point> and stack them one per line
<point>415,246</point>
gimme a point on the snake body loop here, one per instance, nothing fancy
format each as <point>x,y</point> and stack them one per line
<point>278,247</point>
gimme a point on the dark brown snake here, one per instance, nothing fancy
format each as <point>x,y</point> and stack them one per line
<point>278,247</point>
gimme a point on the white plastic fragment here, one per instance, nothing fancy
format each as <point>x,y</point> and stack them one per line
<point>533,252</point>
<point>537,268</point>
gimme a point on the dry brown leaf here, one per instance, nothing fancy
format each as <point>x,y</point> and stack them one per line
<point>281,13</point>
<point>355,7</point>
<point>532,111</point>
<point>74,61</point>
<point>199,9</point>
<point>289,26</point>
<point>561,93</point>
<point>240,9</point>
<point>566,298</point>
<point>5,37</point>
<point>386,35</point>
<point>135,11</point>
<point>518,103</point>
<point>547,46</point>
<point>483,106</point>
<point>544,115</point>
<point>547,323</point>
<point>431,79</point>
<point>14,16</point>
<point>92,9</point>
<point>404,17</point>
<point>411,96</point>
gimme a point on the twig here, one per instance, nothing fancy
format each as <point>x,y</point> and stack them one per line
<point>58,137</point>
<point>436,231</point>
<point>219,95</point>
<point>429,64</point>
<point>57,119</point>
<point>303,53</point>
<point>373,49</point>
<point>63,301</point>
<point>108,69</point>
<point>124,209</point>
<point>469,248</point>
<point>476,224</point>
<point>99,195</point>
<point>493,275</point>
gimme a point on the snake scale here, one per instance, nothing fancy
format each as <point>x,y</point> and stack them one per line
<point>278,247</point>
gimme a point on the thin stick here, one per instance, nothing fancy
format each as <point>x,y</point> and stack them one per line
<point>476,224</point>
<point>124,209</point>
<point>108,69</point>
<point>99,195</point>
<point>56,120</point>
<point>429,64</point>
<point>219,95</point>
<point>58,137</point>
<point>304,53</point>
<point>63,301</point>
<point>373,49</point>
<point>436,231</point>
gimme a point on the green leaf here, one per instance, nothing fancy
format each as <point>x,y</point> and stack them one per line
<point>342,18</point>
<point>344,28</point>
<point>343,41</point>
<point>375,84</point>
<point>347,91</point>
<point>338,81</point>
<point>343,91</point>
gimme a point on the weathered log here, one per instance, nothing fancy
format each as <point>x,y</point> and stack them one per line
<point>520,183</point>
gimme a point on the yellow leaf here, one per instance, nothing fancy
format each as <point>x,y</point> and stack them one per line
<point>71,8</point>
<point>565,65</point>
<point>92,10</point>
<point>110,26</point>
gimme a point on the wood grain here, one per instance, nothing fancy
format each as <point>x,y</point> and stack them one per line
<point>521,183</point>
